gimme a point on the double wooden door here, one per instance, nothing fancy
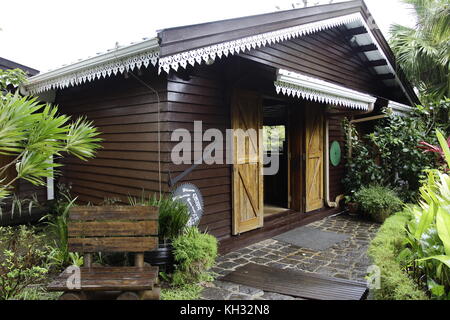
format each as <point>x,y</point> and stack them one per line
<point>306,181</point>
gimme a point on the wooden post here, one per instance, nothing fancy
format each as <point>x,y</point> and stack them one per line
<point>87,260</point>
<point>139,260</point>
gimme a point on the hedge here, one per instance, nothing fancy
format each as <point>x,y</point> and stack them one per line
<point>384,250</point>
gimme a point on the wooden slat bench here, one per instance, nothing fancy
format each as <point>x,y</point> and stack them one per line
<point>111,229</point>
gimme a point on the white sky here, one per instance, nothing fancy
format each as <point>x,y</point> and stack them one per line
<point>46,34</point>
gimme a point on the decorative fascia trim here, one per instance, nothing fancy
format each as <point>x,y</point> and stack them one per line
<point>399,108</point>
<point>204,54</point>
<point>101,66</point>
<point>301,86</point>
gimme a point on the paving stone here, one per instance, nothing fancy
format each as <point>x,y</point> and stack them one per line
<point>215,294</point>
<point>277,265</point>
<point>228,265</point>
<point>244,251</point>
<point>234,255</point>
<point>239,297</point>
<point>260,260</point>
<point>250,291</point>
<point>273,257</point>
<point>226,285</point>
<point>346,260</point>
<point>241,261</point>
<point>258,253</point>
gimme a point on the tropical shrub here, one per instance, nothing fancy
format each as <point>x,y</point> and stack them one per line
<point>390,156</point>
<point>384,250</point>
<point>378,202</point>
<point>32,134</point>
<point>56,222</point>
<point>173,215</point>
<point>195,253</point>
<point>429,232</point>
<point>22,260</point>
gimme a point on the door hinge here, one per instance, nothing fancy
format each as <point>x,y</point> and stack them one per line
<point>304,156</point>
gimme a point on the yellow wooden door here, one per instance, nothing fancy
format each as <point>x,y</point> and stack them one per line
<point>248,195</point>
<point>314,158</point>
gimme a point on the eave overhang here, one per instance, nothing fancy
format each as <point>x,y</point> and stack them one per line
<point>302,86</point>
<point>104,65</point>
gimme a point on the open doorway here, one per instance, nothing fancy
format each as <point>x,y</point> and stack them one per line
<point>276,187</point>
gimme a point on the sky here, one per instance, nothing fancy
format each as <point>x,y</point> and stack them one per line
<point>47,34</point>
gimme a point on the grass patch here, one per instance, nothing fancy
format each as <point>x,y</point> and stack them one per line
<point>37,293</point>
<point>384,250</point>
<point>186,292</point>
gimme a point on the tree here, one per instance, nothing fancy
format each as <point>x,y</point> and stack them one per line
<point>423,52</point>
<point>33,135</point>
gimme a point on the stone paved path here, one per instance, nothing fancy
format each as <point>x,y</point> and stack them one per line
<point>347,259</point>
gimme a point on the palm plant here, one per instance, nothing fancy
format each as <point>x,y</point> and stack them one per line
<point>423,52</point>
<point>33,135</point>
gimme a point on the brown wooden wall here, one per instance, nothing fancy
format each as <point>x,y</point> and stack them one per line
<point>336,133</point>
<point>202,97</point>
<point>126,112</point>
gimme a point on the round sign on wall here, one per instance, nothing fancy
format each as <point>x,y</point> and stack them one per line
<point>190,195</point>
<point>335,153</point>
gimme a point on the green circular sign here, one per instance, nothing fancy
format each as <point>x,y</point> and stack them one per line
<point>335,153</point>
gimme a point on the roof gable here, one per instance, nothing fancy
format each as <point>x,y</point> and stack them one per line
<point>202,43</point>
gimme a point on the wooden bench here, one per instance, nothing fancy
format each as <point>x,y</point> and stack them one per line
<point>111,229</point>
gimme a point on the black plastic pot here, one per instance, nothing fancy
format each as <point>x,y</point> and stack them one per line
<point>161,257</point>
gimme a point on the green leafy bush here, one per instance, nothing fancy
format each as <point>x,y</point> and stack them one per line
<point>428,240</point>
<point>385,252</point>
<point>422,244</point>
<point>59,255</point>
<point>22,260</point>
<point>195,253</point>
<point>378,202</point>
<point>390,156</point>
<point>173,215</point>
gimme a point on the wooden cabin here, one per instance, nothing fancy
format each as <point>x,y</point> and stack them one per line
<point>301,71</point>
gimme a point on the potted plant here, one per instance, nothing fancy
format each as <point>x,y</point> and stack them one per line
<point>173,217</point>
<point>352,206</point>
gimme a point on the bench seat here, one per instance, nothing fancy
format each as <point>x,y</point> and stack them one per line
<point>109,279</point>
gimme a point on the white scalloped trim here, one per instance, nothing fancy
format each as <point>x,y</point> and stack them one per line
<point>245,44</point>
<point>301,86</point>
<point>102,70</point>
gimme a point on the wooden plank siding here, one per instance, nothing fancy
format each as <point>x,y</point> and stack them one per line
<point>326,55</point>
<point>202,97</point>
<point>126,112</point>
<point>336,133</point>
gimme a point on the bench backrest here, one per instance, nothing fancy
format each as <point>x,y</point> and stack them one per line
<point>113,229</point>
